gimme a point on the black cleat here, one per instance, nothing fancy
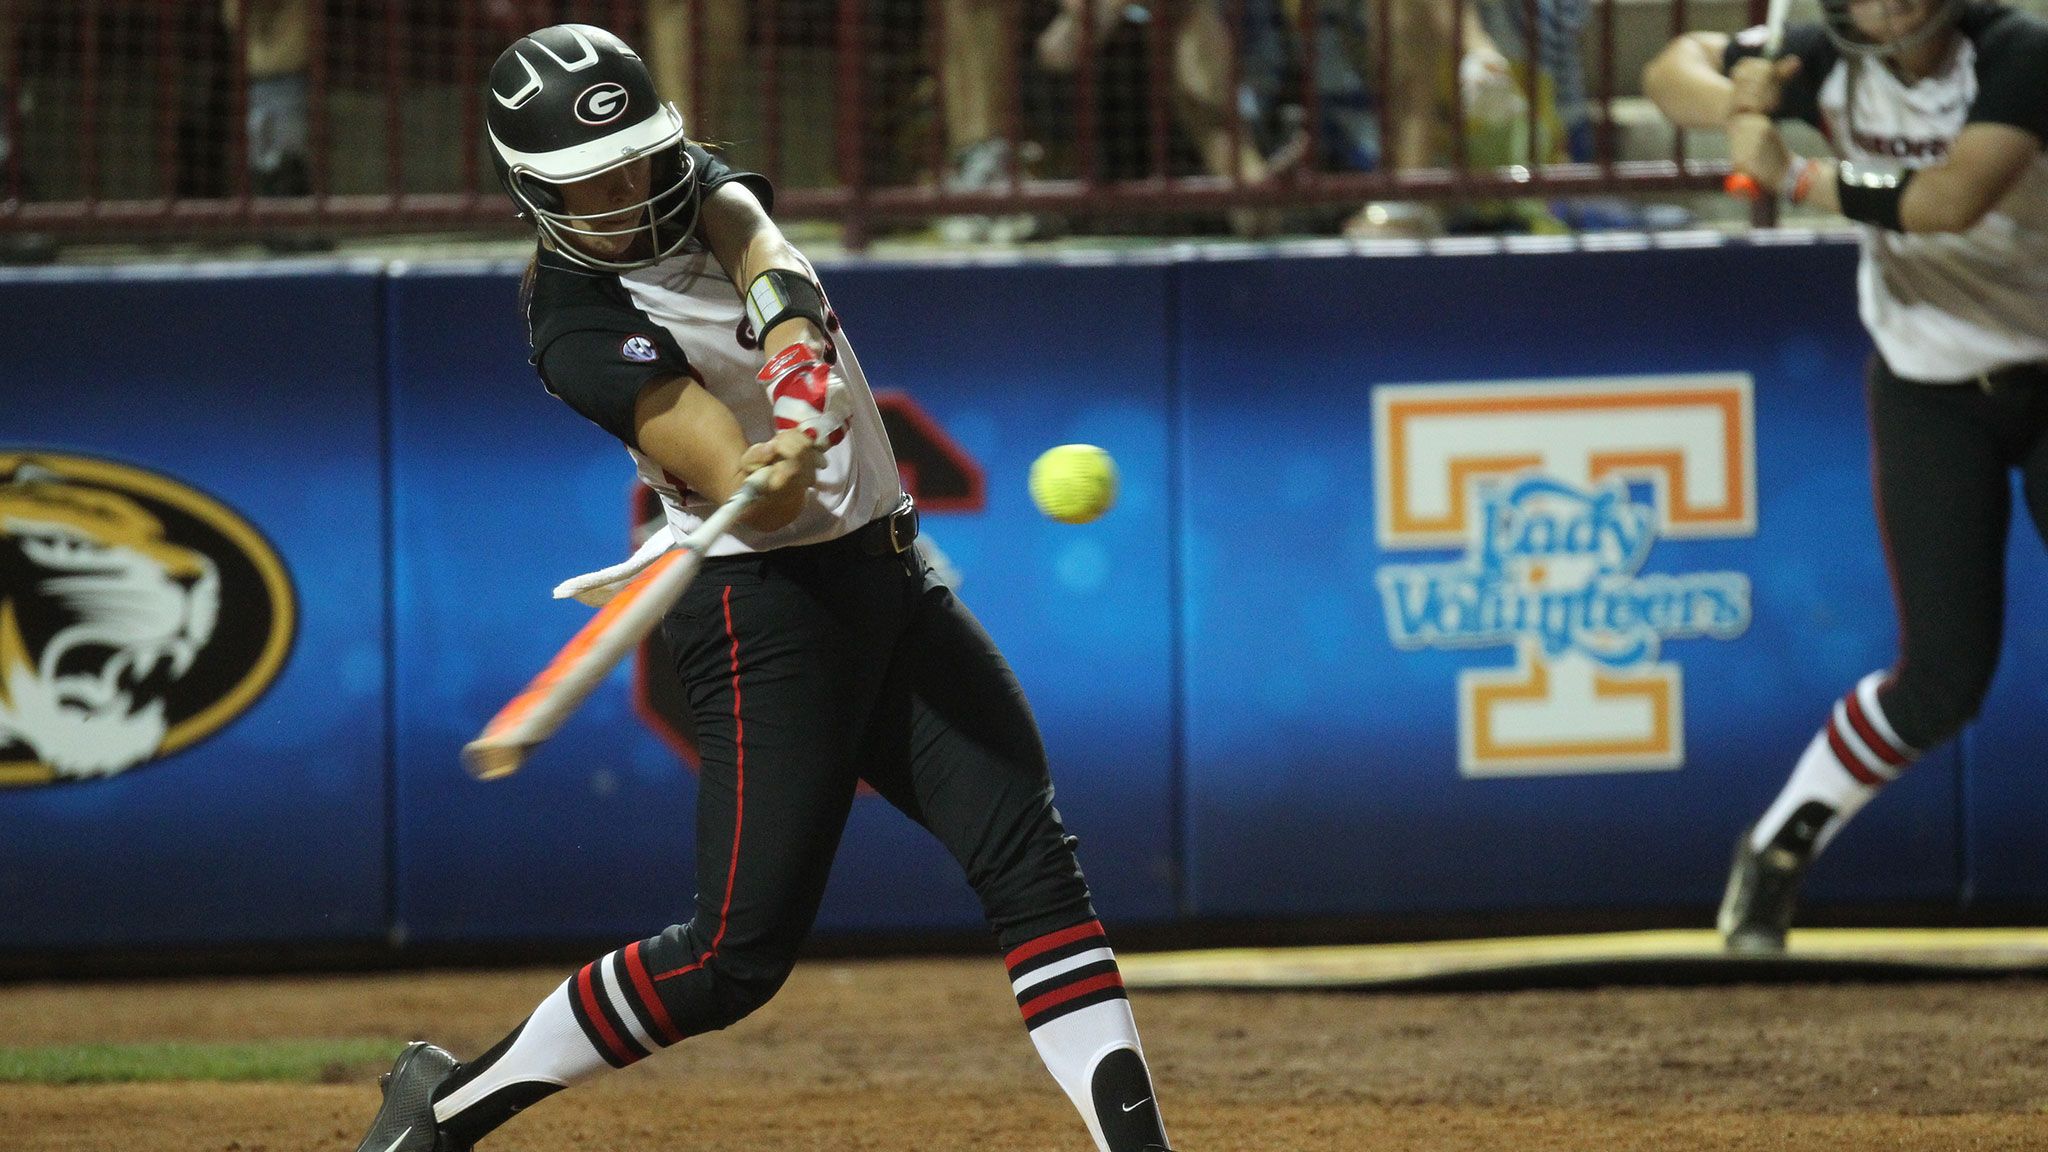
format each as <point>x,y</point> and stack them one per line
<point>1763,890</point>
<point>405,1123</point>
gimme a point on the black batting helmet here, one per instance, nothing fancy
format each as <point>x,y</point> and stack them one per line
<point>1853,41</point>
<point>571,102</point>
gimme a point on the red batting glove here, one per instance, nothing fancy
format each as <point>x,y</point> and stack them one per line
<point>805,396</point>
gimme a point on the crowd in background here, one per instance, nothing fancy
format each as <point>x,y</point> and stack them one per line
<point>968,94</point>
<point>965,95</point>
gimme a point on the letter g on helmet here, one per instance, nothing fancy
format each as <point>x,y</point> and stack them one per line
<point>573,101</point>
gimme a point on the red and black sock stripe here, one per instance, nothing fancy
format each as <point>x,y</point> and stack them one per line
<point>615,1004</point>
<point>1095,984</point>
<point>1851,762</point>
<point>1861,744</point>
<point>1892,754</point>
<point>600,1019</point>
<point>637,982</point>
<point>1063,972</point>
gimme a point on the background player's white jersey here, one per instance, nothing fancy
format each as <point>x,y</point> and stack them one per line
<point>1942,307</point>
<point>691,297</point>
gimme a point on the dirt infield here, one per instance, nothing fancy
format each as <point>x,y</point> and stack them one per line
<point>909,1056</point>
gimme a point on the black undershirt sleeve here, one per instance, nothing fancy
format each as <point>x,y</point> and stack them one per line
<point>2012,75</point>
<point>601,372</point>
<point>712,173</point>
<point>592,347</point>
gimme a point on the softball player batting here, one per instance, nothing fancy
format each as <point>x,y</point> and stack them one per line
<point>1938,110</point>
<point>817,648</point>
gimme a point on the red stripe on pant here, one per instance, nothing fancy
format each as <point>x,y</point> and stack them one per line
<point>739,811</point>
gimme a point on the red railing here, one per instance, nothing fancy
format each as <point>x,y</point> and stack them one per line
<point>139,123</point>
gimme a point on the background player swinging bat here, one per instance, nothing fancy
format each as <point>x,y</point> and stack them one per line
<point>618,628</point>
<point>1742,184</point>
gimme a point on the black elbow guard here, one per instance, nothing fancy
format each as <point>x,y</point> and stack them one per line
<point>780,294</point>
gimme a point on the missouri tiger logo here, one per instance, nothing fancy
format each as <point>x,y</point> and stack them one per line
<point>138,616</point>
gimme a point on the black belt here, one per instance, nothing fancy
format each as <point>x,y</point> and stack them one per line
<point>889,535</point>
<point>2012,376</point>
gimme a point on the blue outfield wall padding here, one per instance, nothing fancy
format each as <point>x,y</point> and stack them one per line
<point>1405,545</point>
<point>1383,714</point>
<point>502,491</point>
<point>189,459</point>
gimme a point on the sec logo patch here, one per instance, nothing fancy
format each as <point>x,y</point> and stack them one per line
<point>639,349</point>
<point>138,616</point>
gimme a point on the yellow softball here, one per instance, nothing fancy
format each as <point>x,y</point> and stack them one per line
<point>1073,483</point>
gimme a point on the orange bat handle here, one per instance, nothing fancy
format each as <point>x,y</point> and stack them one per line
<point>546,702</point>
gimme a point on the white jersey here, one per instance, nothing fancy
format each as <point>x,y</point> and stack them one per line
<point>1942,307</point>
<point>690,296</point>
<point>600,338</point>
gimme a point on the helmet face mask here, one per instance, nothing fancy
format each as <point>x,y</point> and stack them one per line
<point>657,226</point>
<point>1853,39</point>
<point>572,103</point>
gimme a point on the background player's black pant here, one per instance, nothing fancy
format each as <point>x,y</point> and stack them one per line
<point>810,669</point>
<point>1943,461</point>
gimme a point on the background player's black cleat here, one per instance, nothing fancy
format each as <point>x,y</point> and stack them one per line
<point>405,1123</point>
<point>1763,885</point>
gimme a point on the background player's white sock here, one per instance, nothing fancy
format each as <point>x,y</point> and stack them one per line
<point>1856,754</point>
<point>1073,1000</point>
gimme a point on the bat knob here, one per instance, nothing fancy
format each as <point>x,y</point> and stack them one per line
<point>1743,186</point>
<point>492,761</point>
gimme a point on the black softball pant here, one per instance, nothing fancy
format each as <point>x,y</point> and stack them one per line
<point>809,670</point>
<point>1942,461</point>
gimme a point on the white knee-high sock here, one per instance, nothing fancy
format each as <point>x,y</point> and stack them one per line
<point>1079,1017</point>
<point>1848,761</point>
<point>544,1055</point>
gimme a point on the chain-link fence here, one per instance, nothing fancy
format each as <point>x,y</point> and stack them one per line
<point>989,120</point>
